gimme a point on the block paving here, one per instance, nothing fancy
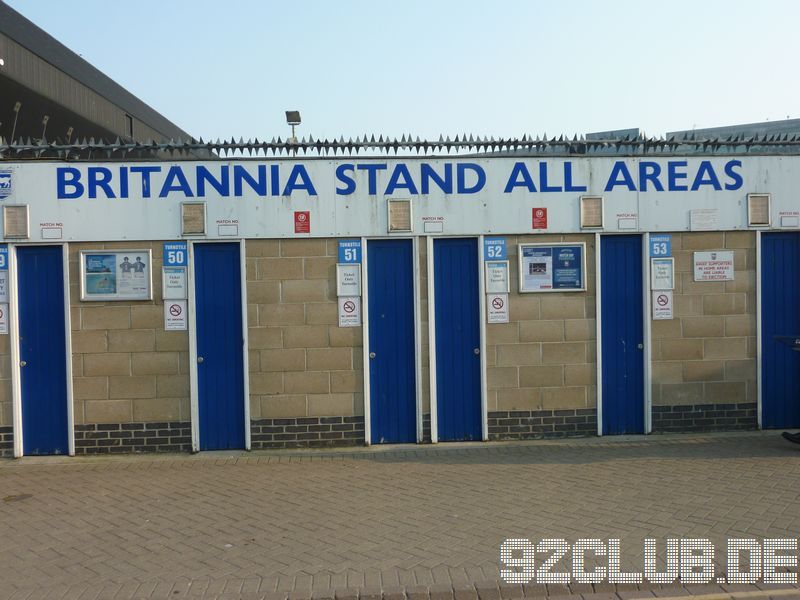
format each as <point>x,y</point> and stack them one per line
<point>392,523</point>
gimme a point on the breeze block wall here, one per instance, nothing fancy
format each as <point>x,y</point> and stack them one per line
<point>704,360</point>
<point>130,376</point>
<point>541,366</point>
<point>6,421</point>
<point>306,373</point>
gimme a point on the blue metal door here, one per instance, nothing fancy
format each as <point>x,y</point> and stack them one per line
<point>458,339</point>
<point>622,344</point>
<point>780,326</point>
<point>220,346</point>
<point>42,350</point>
<point>392,379</point>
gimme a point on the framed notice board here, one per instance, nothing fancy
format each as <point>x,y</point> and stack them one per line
<point>109,275</point>
<point>552,267</point>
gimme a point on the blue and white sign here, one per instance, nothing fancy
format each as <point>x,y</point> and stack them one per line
<point>552,268</point>
<point>349,251</point>
<point>176,254</point>
<point>3,279</point>
<point>661,245</point>
<point>6,183</point>
<point>494,248</point>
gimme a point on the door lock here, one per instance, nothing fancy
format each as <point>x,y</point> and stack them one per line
<point>476,351</point>
<point>640,346</point>
<point>199,359</point>
<point>22,363</point>
<point>372,355</point>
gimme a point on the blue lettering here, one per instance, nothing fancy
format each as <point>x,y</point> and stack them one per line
<point>568,186</point>
<point>736,178</point>
<point>349,182</point>
<point>242,175</point>
<point>99,177</point>
<point>706,176</point>
<point>372,172</point>
<point>145,171</point>
<point>519,171</point>
<point>650,171</point>
<point>673,175</point>
<point>299,172</point>
<point>620,175</point>
<point>175,181</point>
<point>73,181</point>
<point>428,174</point>
<point>395,183</point>
<point>461,178</point>
<point>123,182</point>
<point>275,180</point>
<point>543,180</point>
<point>222,185</point>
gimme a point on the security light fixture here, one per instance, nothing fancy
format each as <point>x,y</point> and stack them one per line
<point>45,119</point>
<point>293,119</point>
<point>17,106</point>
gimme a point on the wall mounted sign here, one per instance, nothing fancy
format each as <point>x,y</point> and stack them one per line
<point>662,273</point>
<point>349,251</point>
<point>713,266</point>
<point>3,273</point>
<point>494,248</point>
<point>348,279</point>
<point>116,275</point>
<point>497,308</point>
<point>175,315</point>
<point>662,305</point>
<point>173,283</point>
<point>539,218</point>
<point>349,311</point>
<point>661,244</point>
<point>497,280</point>
<point>552,267</point>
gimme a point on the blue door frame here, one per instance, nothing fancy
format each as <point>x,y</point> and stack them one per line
<point>458,339</point>
<point>392,362</point>
<point>42,350</point>
<point>220,346</point>
<point>622,332</point>
<point>780,325</point>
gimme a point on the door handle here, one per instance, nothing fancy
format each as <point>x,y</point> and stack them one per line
<point>199,360</point>
<point>22,363</point>
<point>372,355</point>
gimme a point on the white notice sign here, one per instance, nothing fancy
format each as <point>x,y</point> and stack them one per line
<point>173,283</point>
<point>349,311</point>
<point>713,266</point>
<point>662,305</point>
<point>497,277</point>
<point>704,219</point>
<point>662,273</point>
<point>3,319</point>
<point>175,315</point>
<point>497,308</point>
<point>3,286</point>
<point>348,279</point>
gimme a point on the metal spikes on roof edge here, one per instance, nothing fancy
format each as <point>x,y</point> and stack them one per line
<point>639,145</point>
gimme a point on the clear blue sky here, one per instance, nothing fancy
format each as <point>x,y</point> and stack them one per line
<point>503,68</point>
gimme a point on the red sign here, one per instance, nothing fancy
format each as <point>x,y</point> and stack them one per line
<point>540,218</point>
<point>302,221</point>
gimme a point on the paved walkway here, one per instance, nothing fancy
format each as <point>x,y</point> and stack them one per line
<point>419,520</point>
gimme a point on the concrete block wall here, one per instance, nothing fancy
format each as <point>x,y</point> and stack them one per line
<point>126,367</point>
<point>304,368</point>
<point>6,421</point>
<point>704,360</point>
<point>541,366</point>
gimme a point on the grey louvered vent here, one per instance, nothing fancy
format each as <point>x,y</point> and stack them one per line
<point>758,210</point>
<point>15,221</point>
<point>591,212</point>
<point>193,218</point>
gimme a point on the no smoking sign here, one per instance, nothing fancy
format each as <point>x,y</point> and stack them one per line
<point>662,305</point>
<point>175,315</point>
<point>349,311</point>
<point>497,308</point>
